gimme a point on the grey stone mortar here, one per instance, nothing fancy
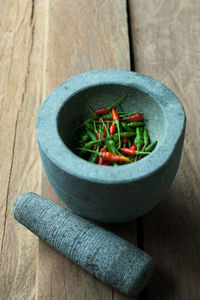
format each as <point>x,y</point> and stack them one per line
<point>110,194</point>
<point>110,258</point>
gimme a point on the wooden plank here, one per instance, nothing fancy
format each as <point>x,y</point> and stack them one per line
<point>83,36</point>
<point>21,91</point>
<point>167,47</point>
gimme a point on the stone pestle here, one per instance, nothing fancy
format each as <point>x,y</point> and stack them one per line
<point>103,254</point>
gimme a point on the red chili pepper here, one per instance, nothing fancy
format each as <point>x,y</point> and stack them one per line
<point>100,160</point>
<point>101,111</point>
<point>98,135</point>
<point>112,129</point>
<point>104,110</point>
<point>125,140</point>
<point>135,118</point>
<point>103,149</point>
<point>106,164</point>
<point>108,156</point>
<point>128,151</point>
<point>116,120</point>
<point>133,147</point>
<point>114,115</point>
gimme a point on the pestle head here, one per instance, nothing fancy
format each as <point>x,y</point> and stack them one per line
<point>103,254</point>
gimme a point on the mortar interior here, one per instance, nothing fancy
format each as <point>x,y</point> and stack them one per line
<point>103,95</point>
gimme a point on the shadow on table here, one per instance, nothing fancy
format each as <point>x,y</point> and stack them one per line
<point>170,234</point>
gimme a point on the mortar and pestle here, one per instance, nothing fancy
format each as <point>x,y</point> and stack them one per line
<point>104,194</point>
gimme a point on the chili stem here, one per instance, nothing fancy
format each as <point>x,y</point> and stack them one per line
<point>124,113</point>
<point>118,130</point>
<point>89,108</point>
<point>88,150</point>
<point>107,131</point>
<point>92,154</point>
<point>117,101</point>
<point>141,153</point>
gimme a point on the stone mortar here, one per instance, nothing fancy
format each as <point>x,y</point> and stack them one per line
<point>110,194</point>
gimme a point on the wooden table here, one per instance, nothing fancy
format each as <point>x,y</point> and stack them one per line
<point>44,43</point>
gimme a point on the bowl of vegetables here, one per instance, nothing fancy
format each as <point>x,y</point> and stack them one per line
<point>110,143</point>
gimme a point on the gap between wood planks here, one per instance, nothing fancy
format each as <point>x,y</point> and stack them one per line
<point>8,189</point>
<point>30,51</point>
<point>139,221</point>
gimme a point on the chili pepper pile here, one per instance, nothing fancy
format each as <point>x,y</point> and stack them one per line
<point>112,138</point>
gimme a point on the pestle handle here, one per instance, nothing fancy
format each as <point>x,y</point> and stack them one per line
<point>103,254</point>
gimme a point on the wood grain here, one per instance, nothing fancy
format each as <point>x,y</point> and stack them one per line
<point>166,46</point>
<point>21,59</point>
<point>82,36</point>
<point>44,43</point>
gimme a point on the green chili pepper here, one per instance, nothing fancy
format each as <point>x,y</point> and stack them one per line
<point>135,124</point>
<point>121,128</point>
<point>88,125</point>
<point>91,135</point>
<point>141,153</point>
<point>151,147</point>
<point>124,134</point>
<point>129,143</point>
<point>110,144</point>
<point>139,141</point>
<point>94,158</point>
<point>84,137</point>
<point>110,149</point>
<point>126,127</point>
<point>107,117</point>
<point>146,137</point>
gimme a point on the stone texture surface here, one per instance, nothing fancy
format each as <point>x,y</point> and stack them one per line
<point>94,191</point>
<point>113,260</point>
